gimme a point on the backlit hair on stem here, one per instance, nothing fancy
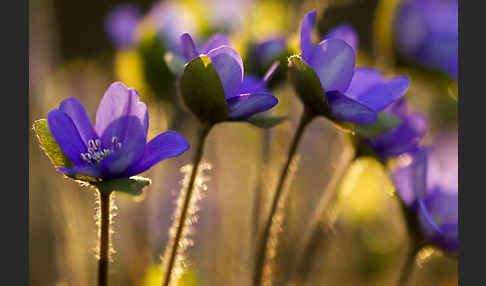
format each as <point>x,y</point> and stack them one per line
<point>191,219</point>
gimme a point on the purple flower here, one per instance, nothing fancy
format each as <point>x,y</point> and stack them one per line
<point>245,96</point>
<point>346,33</point>
<point>426,31</point>
<point>116,147</point>
<point>121,24</point>
<point>172,19</point>
<point>354,94</point>
<point>265,52</point>
<point>402,138</point>
<point>190,51</point>
<point>427,184</point>
<point>227,15</point>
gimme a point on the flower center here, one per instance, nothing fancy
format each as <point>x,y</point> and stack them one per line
<point>96,153</point>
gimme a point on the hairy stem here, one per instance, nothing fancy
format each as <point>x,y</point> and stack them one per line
<point>176,242</point>
<point>305,119</point>
<point>104,236</point>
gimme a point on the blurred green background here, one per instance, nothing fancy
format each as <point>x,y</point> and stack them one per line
<point>363,235</point>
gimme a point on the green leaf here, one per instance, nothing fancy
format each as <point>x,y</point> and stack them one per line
<point>132,186</point>
<point>265,122</point>
<point>384,122</point>
<point>49,144</point>
<point>175,63</point>
<point>53,151</point>
<point>202,91</point>
<point>307,86</point>
<point>83,178</point>
<point>344,126</point>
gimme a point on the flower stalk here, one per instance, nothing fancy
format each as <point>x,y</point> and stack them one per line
<point>104,238</point>
<point>260,262</point>
<point>175,243</point>
<point>321,227</point>
<point>407,269</point>
<point>257,199</point>
<point>417,244</point>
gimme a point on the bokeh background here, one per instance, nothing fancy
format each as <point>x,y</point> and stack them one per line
<point>364,241</point>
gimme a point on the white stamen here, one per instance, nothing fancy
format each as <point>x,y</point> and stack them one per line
<point>91,144</point>
<point>96,153</point>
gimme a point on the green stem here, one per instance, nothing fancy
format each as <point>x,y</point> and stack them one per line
<point>407,269</point>
<point>320,231</point>
<point>104,243</point>
<point>174,246</point>
<point>416,239</point>
<point>305,119</point>
<point>257,199</point>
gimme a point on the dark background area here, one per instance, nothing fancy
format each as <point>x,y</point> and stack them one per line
<point>81,25</point>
